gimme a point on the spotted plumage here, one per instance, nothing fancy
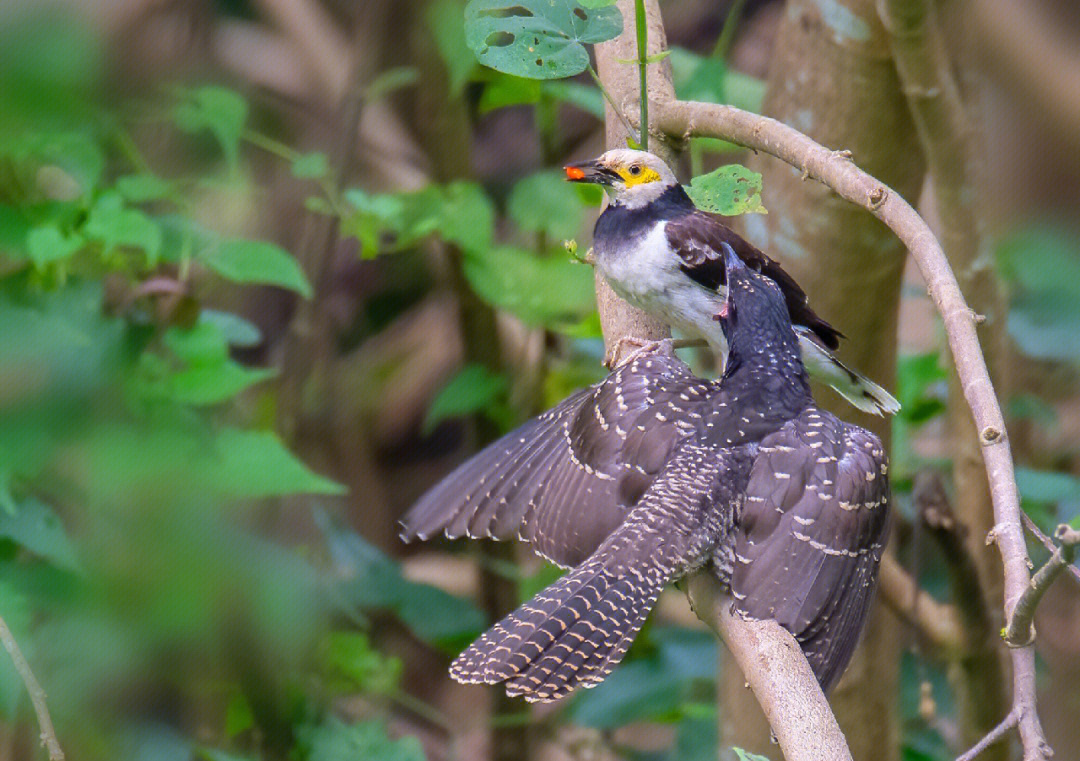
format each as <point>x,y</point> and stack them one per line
<point>664,255</point>
<point>654,473</point>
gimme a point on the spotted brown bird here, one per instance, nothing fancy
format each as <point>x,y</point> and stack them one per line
<point>653,474</point>
<point>663,254</point>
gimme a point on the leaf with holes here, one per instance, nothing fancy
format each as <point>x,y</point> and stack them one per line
<point>729,190</point>
<point>538,39</point>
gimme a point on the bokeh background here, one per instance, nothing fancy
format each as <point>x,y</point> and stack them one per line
<point>270,268</point>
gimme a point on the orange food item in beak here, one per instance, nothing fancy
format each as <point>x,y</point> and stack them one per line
<point>574,173</point>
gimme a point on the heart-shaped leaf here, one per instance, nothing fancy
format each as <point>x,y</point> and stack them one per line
<point>538,39</point>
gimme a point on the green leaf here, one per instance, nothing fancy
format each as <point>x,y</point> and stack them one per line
<point>217,109</point>
<point>470,391</point>
<point>538,39</point>
<point>729,190</point>
<point>255,464</point>
<point>14,230</point>
<point>234,329</point>
<point>676,663</point>
<point>745,755</point>
<point>369,580</point>
<point>391,80</point>
<point>349,659</point>
<point>444,22</point>
<point>201,386</point>
<point>253,261</point>
<point>203,344</point>
<point>311,166</point>
<point>1043,264</point>
<point>596,3</point>
<point>504,90</point>
<point>36,527</point>
<point>1047,486</point>
<point>366,741</point>
<point>375,213</point>
<point>586,97</point>
<point>467,216</point>
<point>47,244</point>
<point>113,225</point>
<point>545,202</point>
<point>238,715</point>
<point>539,290</point>
<point>140,188</point>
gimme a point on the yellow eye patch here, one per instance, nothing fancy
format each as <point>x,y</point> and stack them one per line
<point>643,176</point>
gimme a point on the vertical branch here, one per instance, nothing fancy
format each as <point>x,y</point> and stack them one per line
<point>617,318</point>
<point>643,67</point>
<point>37,695</point>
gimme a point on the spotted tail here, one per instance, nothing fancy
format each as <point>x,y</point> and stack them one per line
<point>574,632</point>
<point>856,388</point>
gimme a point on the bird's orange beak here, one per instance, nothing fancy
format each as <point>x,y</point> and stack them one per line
<point>590,171</point>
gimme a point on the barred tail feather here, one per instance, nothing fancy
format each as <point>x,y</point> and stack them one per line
<point>574,632</point>
<point>859,390</point>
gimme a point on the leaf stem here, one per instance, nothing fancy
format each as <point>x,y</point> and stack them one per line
<point>642,54</point>
<point>727,33</point>
<point>611,101</point>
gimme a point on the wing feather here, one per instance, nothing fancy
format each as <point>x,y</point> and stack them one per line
<point>698,238</point>
<point>567,478</point>
<point>813,529</point>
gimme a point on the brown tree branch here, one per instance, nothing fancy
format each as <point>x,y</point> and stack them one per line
<point>851,183</point>
<point>1046,542</point>
<point>978,672</point>
<point>1020,632</point>
<point>37,695</point>
<point>936,622</point>
<point>777,672</point>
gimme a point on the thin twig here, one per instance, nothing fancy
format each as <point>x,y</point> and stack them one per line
<point>727,32</point>
<point>935,622</point>
<point>37,695</point>
<point>1019,630</point>
<point>1046,542</point>
<point>611,102</point>
<point>995,734</point>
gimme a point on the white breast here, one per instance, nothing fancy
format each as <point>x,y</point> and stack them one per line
<point>647,275</point>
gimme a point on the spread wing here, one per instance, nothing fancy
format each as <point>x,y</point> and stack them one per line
<point>697,239</point>
<point>578,629</point>
<point>814,527</point>
<point>566,479</point>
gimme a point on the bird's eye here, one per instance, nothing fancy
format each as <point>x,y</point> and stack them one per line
<point>635,170</point>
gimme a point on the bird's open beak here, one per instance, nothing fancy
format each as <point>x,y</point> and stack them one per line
<point>590,171</point>
<point>733,267</point>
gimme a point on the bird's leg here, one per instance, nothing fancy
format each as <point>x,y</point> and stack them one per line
<point>638,348</point>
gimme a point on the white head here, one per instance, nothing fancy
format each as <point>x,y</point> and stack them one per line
<point>632,178</point>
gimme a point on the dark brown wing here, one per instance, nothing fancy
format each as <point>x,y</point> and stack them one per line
<point>814,525</point>
<point>565,480</point>
<point>697,238</point>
